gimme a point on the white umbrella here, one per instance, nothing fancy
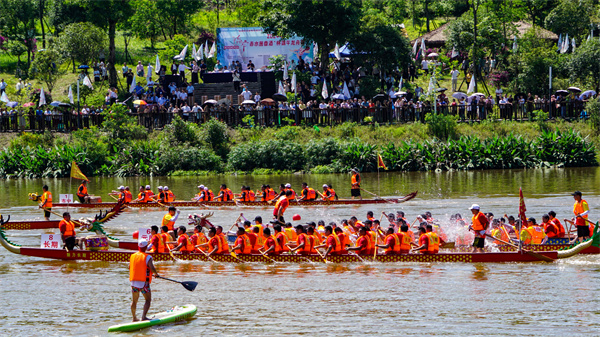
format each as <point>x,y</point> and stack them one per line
<point>574,89</point>
<point>400,93</point>
<point>433,55</point>
<point>588,93</point>
<point>210,101</point>
<point>459,95</point>
<point>338,96</point>
<point>248,101</point>
<point>478,94</point>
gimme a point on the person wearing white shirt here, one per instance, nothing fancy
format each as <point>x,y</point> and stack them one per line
<point>181,69</point>
<point>140,69</point>
<point>454,74</point>
<point>246,94</point>
<point>2,86</point>
<point>257,97</point>
<point>161,100</point>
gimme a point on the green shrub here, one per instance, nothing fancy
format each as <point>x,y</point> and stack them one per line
<point>214,133</point>
<point>441,126</point>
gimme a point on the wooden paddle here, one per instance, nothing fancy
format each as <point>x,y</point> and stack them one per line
<point>189,285</point>
<point>232,253</point>
<point>322,256</point>
<point>265,255</point>
<point>534,254</point>
<point>236,221</point>
<point>208,257</point>
<point>360,258</point>
<point>60,215</point>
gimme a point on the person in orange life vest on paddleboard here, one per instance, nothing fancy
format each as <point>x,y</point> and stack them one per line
<point>170,218</point>
<point>157,242</point>
<point>67,231</point>
<point>46,202</point>
<point>271,245</point>
<point>225,194</point>
<point>242,243</point>
<point>169,196</point>
<point>141,269</point>
<point>184,244</point>
<point>280,206</point>
<point>355,184</point>
<point>362,246</point>
<point>479,224</point>
<point>307,193</point>
<point>82,193</point>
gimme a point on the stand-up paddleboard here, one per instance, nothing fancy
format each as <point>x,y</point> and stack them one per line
<point>172,315</point>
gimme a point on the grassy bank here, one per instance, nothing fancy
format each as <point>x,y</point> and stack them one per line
<point>123,148</point>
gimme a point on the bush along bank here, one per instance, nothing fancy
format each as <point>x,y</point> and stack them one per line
<point>166,154</point>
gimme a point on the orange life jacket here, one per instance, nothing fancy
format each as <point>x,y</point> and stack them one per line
<point>128,196</point>
<point>170,196</point>
<point>227,195</point>
<point>355,182</point>
<point>282,237</point>
<point>291,197</point>
<point>290,233</point>
<point>200,239</point>
<point>279,205</point>
<point>329,194</point>
<point>397,244</point>
<point>250,195</point>
<point>138,269</point>
<point>219,245</point>
<point>561,228</point>
<point>345,241</point>
<point>434,243</point>
<point>161,244</point>
<point>477,225</point>
<point>166,238</point>
<point>338,244</point>
<point>167,221</point>
<point>208,196</point>
<point>309,194</point>
<point>187,247</point>
<point>556,229</point>
<point>69,228</point>
<point>277,249</point>
<point>405,243</point>
<point>82,191</point>
<point>270,194</point>
<point>224,244</point>
<point>246,245</point>
<point>309,243</point>
<point>47,197</point>
<point>537,234</point>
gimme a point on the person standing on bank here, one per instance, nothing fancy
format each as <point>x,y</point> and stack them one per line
<point>141,269</point>
<point>355,189</point>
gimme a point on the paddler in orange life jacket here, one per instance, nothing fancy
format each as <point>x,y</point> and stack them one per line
<point>128,195</point>
<point>246,194</point>
<point>157,243</point>
<point>288,187</point>
<point>362,246</point>
<point>160,196</point>
<point>46,202</point>
<point>499,231</point>
<point>333,243</point>
<point>199,239</point>
<point>169,219</point>
<point>425,246</point>
<point>270,246</point>
<point>305,242</point>
<point>143,196</point>
<point>169,196</point>
<point>479,224</point>
<point>141,269</point>
<point>406,238</point>
<point>307,193</point>
<point>280,206</point>
<point>581,211</point>
<point>149,193</point>
<point>281,238</point>
<point>391,244</point>
<point>328,193</point>
<point>82,193</point>
<point>67,231</point>
<point>225,194</point>
<point>242,243</point>
<point>550,228</point>
<point>184,244</point>
<point>201,194</point>
<point>556,222</point>
<point>355,184</point>
<point>167,237</point>
<point>533,234</point>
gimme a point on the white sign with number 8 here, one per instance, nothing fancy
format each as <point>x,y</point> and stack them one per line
<point>52,241</point>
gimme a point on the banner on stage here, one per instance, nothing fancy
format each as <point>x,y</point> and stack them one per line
<point>251,43</point>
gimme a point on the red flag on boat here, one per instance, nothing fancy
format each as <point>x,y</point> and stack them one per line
<point>522,207</point>
<point>380,163</point>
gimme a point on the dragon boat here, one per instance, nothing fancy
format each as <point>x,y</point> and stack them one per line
<point>121,255</point>
<point>205,204</point>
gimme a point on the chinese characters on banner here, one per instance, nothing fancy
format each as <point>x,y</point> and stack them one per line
<point>65,198</point>
<point>51,241</point>
<point>144,234</point>
<point>250,43</point>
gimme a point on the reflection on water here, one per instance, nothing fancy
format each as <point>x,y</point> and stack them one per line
<point>55,298</point>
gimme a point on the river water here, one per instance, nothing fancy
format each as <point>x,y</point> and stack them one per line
<point>54,298</point>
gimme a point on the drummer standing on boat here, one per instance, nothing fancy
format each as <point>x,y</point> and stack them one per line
<point>355,189</point>
<point>581,211</point>
<point>46,202</point>
<point>141,269</point>
<point>479,224</point>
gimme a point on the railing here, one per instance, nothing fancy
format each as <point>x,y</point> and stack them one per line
<point>157,119</point>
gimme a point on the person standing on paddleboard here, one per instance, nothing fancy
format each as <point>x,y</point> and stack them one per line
<point>141,269</point>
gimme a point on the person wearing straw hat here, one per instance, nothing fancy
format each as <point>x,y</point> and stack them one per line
<point>141,269</point>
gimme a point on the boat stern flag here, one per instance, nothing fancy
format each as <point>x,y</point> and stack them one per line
<point>380,163</point>
<point>42,97</point>
<point>76,172</point>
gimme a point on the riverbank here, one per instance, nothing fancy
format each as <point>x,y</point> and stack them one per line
<point>123,148</point>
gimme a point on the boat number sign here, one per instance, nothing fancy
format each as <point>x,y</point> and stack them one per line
<point>144,234</point>
<point>50,241</point>
<point>65,198</point>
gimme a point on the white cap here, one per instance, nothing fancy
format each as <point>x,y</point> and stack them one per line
<point>148,187</point>
<point>474,206</point>
<point>288,185</point>
<point>142,243</point>
<point>166,188</point>
<point>121,187</point>
<point>201,186</point>
<point>325,185</point>
<point>160,187</point>
<point>206,188</point>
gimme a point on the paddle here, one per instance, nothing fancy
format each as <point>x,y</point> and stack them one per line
<point>265,255</point>
<point>188,285</point>
<point>360,258</point>
<point>534,254</point>
<point>60,215</point>
<point>208,257</point>
<point>236,221</point>
<point>232,253</point>
<point>322,256</point>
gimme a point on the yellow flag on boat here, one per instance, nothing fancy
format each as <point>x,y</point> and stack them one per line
<point>76,172</point>
<point>380,163</point>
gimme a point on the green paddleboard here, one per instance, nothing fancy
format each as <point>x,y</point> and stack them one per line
<point>172,315</point>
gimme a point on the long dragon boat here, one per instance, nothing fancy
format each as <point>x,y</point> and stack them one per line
<point>205,204</point>
<point>120,255</point>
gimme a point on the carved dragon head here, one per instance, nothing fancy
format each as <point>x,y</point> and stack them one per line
<point>195,220</point>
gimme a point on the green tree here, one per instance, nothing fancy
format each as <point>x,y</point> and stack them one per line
<point>81,42</point>
<point>46,67</point>
<point>324,22</point>
<point>145,20</point>
<point>537,10</point>
<point>584,63</point>
<point>17,22</point>
<point>174,15</point>
<point>383,45</point>
<point>570,17</point>
<point>174,47</point>
<point>62,13</point>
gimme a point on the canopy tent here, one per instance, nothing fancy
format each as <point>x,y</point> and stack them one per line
<point>345,51</point>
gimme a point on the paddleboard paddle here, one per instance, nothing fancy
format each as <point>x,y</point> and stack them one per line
<point>188,285</point>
